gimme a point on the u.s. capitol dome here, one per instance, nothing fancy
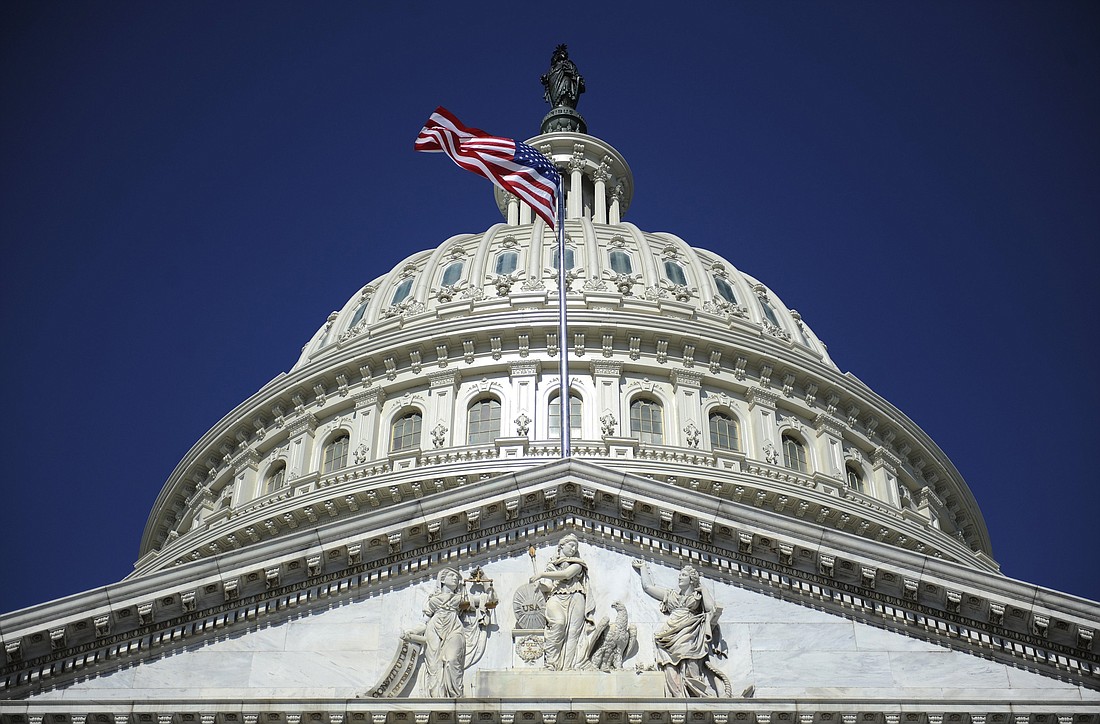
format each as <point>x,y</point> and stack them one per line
<point>408,471</point>
<point>443,372</point>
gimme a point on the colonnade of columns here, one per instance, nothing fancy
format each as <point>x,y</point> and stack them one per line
<point>588,166</point>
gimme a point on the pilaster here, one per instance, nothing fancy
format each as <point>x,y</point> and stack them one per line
<point>884,474</point>
<point>606,377</point>
<point>766,445</point>
<point>439,417</point>
<point>830,445</point>
<point>301,432</point>
<point>522,375</point>
<point>368,404</point>
<point>685,416</point>
<point>245,477</point>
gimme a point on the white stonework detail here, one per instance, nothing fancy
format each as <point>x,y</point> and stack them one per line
<point>784,649</point>
<point>686,640</point>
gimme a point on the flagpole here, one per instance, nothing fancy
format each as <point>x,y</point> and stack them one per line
<point>563,342</point>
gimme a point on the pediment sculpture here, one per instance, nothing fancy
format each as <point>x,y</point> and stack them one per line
<point>556,633</point>
<point>451,640</point>
<point>689,637</point>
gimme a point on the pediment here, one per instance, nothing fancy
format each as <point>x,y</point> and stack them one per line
<point>320,617</point>
<point>342,647</point>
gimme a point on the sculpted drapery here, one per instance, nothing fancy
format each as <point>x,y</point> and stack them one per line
<point>450,643</point>
<point>567,606</point>
<point>562,84</point>
<point>683,642</point>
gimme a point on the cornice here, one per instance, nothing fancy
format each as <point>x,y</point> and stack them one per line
<point>554,711</point>
<point>741,544</point>
<point>378,484</point>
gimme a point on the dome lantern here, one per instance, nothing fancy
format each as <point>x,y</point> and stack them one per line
<point>596,179</point>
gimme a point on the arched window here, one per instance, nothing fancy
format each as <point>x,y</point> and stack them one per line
<point>402,291</point>
<point>359,312</point>
<point>854,478</point>
<point>794,454</point>
<point>406,431</point>
<point>621,263</point>
<point>336,454</point>
<point>483,421</point>
<point>506,262</point>
<point>451,274</point>
<point>725,290</point>
<point>725,433</point>
<point>645,421</point>
<point>574,416</point>
<point>276,478</point>
<point>675,273</point>
<point>568,258</point>
<point>769,313</point>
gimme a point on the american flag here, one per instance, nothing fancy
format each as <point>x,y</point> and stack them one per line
<point>511,165</point>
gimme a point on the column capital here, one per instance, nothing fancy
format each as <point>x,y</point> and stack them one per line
<point>686,378</point>
<point>369,397</point>
<point>760,397</point>
<point>607,368</point>
<point>883,458</point>
<point>524,368</point>
<point>304,423</point>
<point>247,459</point>
<point>446,378</point>
<point>825,422</point>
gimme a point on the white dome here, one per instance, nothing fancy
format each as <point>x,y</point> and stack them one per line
<point>444,372</point>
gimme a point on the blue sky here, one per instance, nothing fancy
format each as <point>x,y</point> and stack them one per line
<point>188,189</point>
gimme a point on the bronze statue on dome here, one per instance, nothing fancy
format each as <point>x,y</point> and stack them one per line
<point>563,83</point>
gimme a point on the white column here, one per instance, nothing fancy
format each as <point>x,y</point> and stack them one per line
<point>575,193</point>
<point>615,217</point>
<point>513,209</point>
<point>576,189</point>
<point>601,176</point>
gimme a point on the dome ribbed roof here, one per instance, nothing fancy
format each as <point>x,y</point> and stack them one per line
<point>613,267</point>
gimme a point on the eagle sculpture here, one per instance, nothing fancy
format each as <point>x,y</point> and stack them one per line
<point>611,641</point>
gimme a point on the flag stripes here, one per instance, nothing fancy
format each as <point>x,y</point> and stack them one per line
<point>513,166</point>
